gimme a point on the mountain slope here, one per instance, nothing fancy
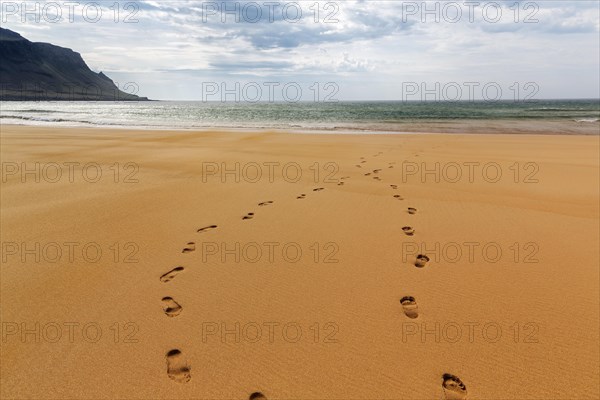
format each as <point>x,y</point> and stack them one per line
<point>42,71</point>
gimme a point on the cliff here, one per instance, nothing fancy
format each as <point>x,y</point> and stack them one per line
<point>41,71</point>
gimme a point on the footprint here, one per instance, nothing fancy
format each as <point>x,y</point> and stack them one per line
<point>408,230</point>
<point>359,166</point>
<point>191,246</point>
<point>257,396</point>
<point>377,178</point>
<point>409,304</point>
<point>362,162</point>
<point>341,184</point>
<point>171,307</point>
<point>177,367</point>
<point>394,187</point>
<point>376,171</point>
<point>454,388</point>
<point>368,174</point>
<point>301,197</point>
<point>248,216</point>
<point>421,261</point>
<point>207,228</point>
<point>412,211</point>
<point>266,203</point>
<point>397,196</point>
<point>171,274</point>
<point>318,189</point>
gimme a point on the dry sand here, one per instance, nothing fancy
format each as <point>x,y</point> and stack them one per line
<point>372,325</point>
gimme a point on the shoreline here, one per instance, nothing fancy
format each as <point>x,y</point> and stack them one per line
<point>466,127</point>
<point>549,117</point>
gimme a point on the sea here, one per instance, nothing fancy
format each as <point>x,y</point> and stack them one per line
<point>339,117</point>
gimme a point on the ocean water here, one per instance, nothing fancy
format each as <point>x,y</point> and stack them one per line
<point>341,116</point>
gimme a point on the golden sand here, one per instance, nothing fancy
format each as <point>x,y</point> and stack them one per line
<point>350,267</point>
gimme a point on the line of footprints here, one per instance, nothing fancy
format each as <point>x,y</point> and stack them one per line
<point>454,388</point>
<point>178,368</point>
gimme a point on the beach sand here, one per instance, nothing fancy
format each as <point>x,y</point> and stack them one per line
<point>324,300</point>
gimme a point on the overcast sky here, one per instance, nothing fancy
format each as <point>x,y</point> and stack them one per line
<point>367,49</point>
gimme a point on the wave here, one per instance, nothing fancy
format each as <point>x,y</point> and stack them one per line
<point>48,111</point>
<point>55,120</point>
<point>40,119</point>
<point>587,120</point>
<point>39,111</point>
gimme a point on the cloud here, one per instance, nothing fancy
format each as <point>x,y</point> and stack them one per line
<point>374,45</point>
<point>228,66</point>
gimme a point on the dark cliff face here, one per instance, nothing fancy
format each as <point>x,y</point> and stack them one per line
<point>41,71</point>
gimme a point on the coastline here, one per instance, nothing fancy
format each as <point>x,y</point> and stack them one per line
<point>473,127</point>
<point>544,117</point>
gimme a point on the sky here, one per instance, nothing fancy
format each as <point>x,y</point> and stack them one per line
<point>328,50</point>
